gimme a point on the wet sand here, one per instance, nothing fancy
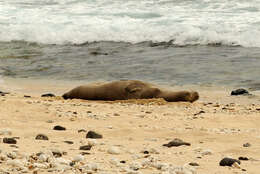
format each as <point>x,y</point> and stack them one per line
<point>217,126</point>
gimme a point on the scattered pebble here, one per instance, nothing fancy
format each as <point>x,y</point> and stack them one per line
<point>59,128</point>
<point>193,164</point>
<point>81,130</point>
<point>48,95</point>
<point>239,92</point>
<point>69,142</point>
<point>9,141</point>
<point>94,135</point>
<point>176,142</point>
<point>27,96</point>
<point>41,137</point>
<point>243,158</point>
<point>85,147</point>
<point>246,145</point>
<point>228,161</point>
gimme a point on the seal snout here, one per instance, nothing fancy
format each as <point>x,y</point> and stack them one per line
<point>193,96</point>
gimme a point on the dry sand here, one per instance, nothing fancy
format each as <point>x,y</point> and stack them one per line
<point>216,126</point>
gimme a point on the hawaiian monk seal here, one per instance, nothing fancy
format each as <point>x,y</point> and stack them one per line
<point>128,89</point>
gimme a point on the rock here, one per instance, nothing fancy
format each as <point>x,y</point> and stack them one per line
<point>239,92</point>
<point>41,137</point>
<point>176,142</point>
<point>56,153</point>
<point>27,96</point>
<point>94,135</point>
<point>228,161</point>
<point>246,145</point>
<point>9,141</point>
<point>48,95</point>
<point>243,158</point>
<point>114,150</point>
<point>60,128</point>
<point>92,142</point>
<point>193,164</point>
<point>86,147</point>
<point>81,130</point>
<point>69,142</point>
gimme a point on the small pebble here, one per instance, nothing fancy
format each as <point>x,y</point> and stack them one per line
<point>69,142</point>
<point>193,164</point>
<point>59,128</point>
<point>9,141</point>
<point>176,142</point>
<point>48,95</point>
<point>228,162</point>
<point>94,135</point>
<point>246,145</point>
<point>243,158</point>
<point>41,137</point>
<point>86,147</point>
<point>239,92</point>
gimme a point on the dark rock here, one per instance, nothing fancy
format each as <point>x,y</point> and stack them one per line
<point>81,130</point>
<point>243,158</point>
<point>9,140</point>
<point>85,153</point>
<point>41,137</point>
<point>146,152</point>
<point>246,145</point>
<point>228,162</point>
<point>69,142</point>
<point>48,95</point>
<point>60,128</point>
<point>94,135</point>
<point>239,92</point>
<point>97,53</point>
<point>193,164</point>
<point>56,153</point>
<point>176,142</point>
<point>27,96</point>
<point>123,161</point>
<point>86,147</point>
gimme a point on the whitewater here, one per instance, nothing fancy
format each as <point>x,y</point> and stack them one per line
<point>183,22</point>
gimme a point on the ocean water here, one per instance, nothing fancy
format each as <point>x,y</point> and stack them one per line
<point>174,42</point>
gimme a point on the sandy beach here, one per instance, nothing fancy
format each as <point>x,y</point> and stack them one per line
<point>133,133</point>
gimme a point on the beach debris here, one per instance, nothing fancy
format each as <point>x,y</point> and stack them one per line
<point>94,135</point>
<point>228,161</point>
<point>114,150</point>
<point>60,128</point>
<point>9,140</point>
<point>3,93</point>
<point>246,145</point>
<point>240,91</point>
<point>193,164</point>
<point>41,137</point>
<point>206,152</point>
<point>243,158</point>
<point>176,142</point>
<point>85,147</point>
<point>48,95</point>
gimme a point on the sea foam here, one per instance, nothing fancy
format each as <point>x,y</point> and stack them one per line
<point>199,22</point>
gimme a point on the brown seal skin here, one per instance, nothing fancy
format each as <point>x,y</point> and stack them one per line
<point>128,89</point>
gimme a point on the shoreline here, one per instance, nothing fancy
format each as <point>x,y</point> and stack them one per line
<point>216,126</point>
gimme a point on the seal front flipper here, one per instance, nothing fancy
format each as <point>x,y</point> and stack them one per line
<point>132,88</point>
